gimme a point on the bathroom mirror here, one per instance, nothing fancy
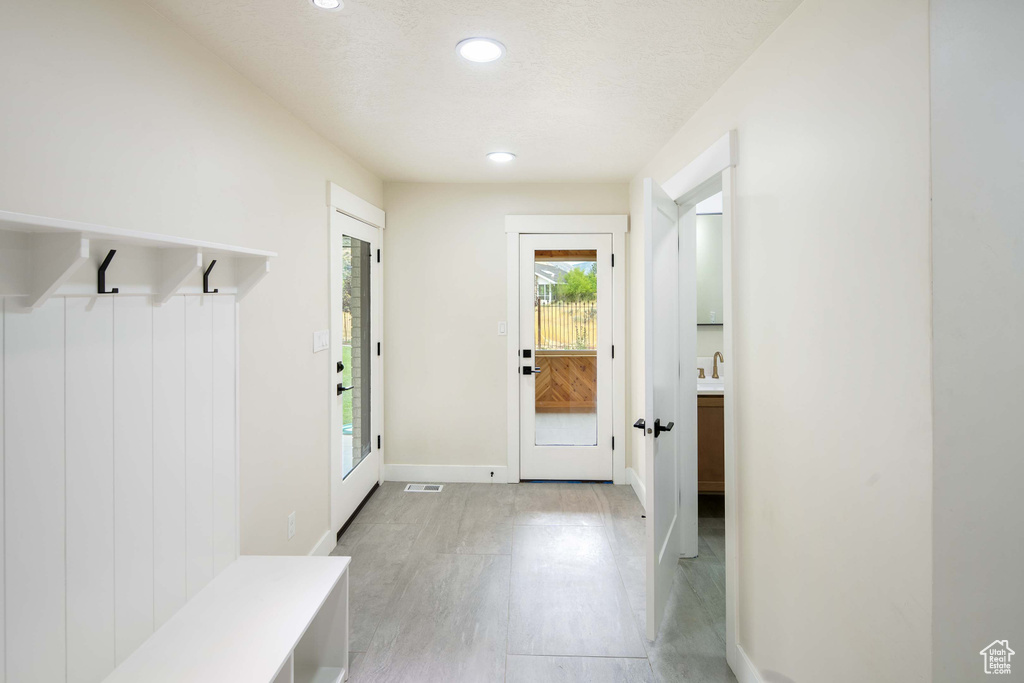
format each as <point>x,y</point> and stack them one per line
<point>709,268</point>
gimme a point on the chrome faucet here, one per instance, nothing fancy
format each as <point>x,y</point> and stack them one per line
<point>714,372</point>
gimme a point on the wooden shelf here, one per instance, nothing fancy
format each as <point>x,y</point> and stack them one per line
<point>41,257</point>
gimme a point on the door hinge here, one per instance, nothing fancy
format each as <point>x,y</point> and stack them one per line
<point>613,350</point>
<point>613,260</point>
<point>378,256</point>
<point>378,348</point>
<point>613,443</point>
<point>378,442</point>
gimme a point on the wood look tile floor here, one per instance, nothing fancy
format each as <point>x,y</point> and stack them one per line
<point>524,583</point>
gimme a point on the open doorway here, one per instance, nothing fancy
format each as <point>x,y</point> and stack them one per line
<point>675,517</point>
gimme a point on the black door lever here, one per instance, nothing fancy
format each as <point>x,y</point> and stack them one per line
<point>342,389</point>
<point>658,429</point>
<point>640,424</point>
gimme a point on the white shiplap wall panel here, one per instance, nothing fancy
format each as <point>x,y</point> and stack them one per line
<point>118,474</point>
<point>133,473</point>
<point>223,395</point>
<point>199,441</point>
<point>3,620</point>
<point>34,492</point>
<point>169,553</point>
<point>89,478</point>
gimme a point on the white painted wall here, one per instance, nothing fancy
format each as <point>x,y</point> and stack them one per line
<point>977,94</point>
<point>112,115</point>
<point>444,383</point>
<point>833,332</point>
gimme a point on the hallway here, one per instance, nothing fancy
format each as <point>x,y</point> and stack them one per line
<point>526,582</point>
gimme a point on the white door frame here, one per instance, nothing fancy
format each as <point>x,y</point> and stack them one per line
<point>709,172</point>
<point>616,226</point>
<point>342,201</point>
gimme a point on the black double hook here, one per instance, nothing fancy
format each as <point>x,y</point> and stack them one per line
<point>102,275</point>
<point>206,279</point>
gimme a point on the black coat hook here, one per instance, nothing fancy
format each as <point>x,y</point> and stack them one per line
<point>102,275</point>
<point>206,279</point>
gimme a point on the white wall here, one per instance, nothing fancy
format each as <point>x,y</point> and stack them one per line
<point>832,307</point>
<point>445,292</point>
<point>709,340</point>
<point>977,92</point>
<point>111,115</point>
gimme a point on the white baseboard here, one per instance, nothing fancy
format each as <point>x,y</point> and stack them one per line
<point>455,474</point>
<point>743,668</point>
<point>633,479</point>
<point>325,545</point>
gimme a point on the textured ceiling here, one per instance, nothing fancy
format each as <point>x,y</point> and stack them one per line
<point>588,90</point>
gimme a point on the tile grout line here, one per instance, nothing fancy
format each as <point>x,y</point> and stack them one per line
<point>508,610</point>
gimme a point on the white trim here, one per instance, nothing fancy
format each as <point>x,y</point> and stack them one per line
<point>568,223</point>
<point>620,421</point>
<point>512,355</point>
<point>732,530</point>
<point>617,226</point>
<point>709,163</point>
<point>349,204</point>
<point>742,667</point>
<point>325,545</point>
<point>633,479</point>
<point>446,474</point>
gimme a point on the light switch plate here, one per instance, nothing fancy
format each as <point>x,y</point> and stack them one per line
<point>321,340</point>
<point>291,525</point>
<point>502,328</point>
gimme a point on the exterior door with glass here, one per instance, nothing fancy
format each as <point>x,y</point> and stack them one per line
<point>355,364</point>
<point>565,357</point>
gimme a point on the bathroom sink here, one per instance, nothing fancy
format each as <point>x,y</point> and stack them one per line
<point>710,386</point>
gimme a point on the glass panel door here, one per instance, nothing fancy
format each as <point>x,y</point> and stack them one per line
<point>356,365</point>
<point>565,339</point>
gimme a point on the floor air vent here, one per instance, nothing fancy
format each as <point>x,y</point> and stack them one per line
<point>423,488</point>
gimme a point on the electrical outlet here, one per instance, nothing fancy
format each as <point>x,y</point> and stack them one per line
<point>291,526</point>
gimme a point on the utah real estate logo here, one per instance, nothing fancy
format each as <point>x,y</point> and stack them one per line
<point>997,657</point>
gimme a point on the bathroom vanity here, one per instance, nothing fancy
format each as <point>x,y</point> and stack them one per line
<point>711,442</point>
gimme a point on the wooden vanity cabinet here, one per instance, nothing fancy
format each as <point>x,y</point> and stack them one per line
<point>711,444</point>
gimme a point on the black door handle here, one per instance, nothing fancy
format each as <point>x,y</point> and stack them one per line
<point>658,429</point>
<point>341,389</point>
<point>640,424</point>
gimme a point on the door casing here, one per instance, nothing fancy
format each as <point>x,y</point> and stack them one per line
<point>616,226</point>
<point>349,214</point>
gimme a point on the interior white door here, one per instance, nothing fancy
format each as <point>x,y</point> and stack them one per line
<point>661,412</point>
<point>355,364</point>
<point>565,357</point>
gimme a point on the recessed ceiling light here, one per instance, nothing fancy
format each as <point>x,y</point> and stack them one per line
<point>501,157</point>
<point>328,4</point>
<point>480,49</point>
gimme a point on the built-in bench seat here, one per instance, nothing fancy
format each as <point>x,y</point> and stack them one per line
<point>261,620</point>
